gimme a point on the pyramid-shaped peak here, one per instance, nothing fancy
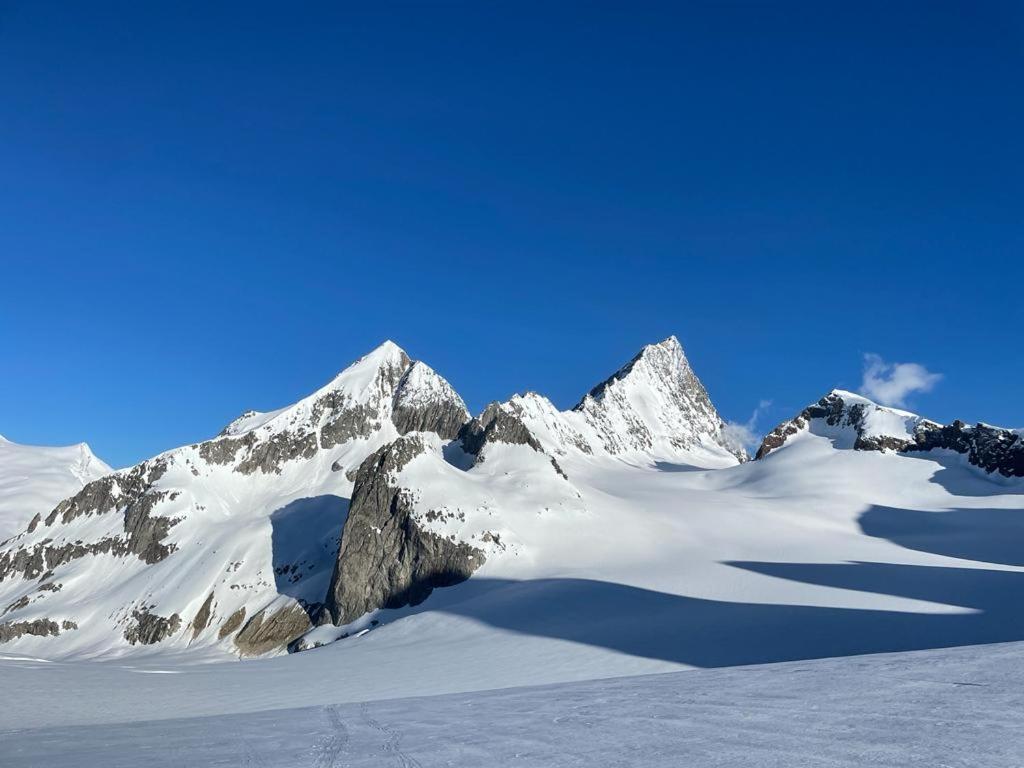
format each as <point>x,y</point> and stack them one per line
<point>669,347</point>
<point>655,404</point>
<point>664,360</point>
<point>670,343</point>
<point>386,352</point>
<point>422,384</point>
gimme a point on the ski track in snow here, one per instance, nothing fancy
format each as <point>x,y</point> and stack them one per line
<point>329,747</point>
<point>392,740</point>
<point>958,708</point>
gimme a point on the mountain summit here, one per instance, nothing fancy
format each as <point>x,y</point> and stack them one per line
<point>655,403</point>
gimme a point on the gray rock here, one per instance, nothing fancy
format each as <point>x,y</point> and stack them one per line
<point>444,418</point>
<point>386,560</point>
<point>269,455</point>
<point>424,402</point>
<point>271,630</point>
<point>37,627</point>
<point>225,450</point>
<point>348,424</point>
<point>148,628</point>
<point>496,425</point>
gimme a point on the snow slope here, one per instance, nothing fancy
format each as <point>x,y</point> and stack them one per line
<point>34,478</point>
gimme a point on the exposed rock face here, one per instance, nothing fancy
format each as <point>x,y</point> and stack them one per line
<point>234,621</point>
<point>37,627</point>
<point>142,533</point>
<point>386,559</point>
<point>148,628</point>
<point>877,428</point>
<point>991,448</point>
<point>272,629</point>
<point>499,423</point>
<point>202,618</point>
<point>350,423</point>
<point>424,402</point>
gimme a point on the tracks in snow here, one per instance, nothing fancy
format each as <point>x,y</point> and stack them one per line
<point>392,739</point>
<point>328,749</point>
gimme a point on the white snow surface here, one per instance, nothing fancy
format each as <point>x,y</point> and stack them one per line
<point>34,478</point>
<point>958,708</point>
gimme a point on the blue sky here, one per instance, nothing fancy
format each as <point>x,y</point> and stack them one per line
<point>205,210</point>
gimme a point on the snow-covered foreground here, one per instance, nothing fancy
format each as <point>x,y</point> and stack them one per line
<point>952,707</point>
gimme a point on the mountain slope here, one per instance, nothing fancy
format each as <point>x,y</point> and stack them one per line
<point>34,478</point>
<point>853,421</point>
<point>225,543</point>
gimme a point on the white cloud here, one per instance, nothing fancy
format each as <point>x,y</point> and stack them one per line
<point>744,434</point>
<point>891,383</point>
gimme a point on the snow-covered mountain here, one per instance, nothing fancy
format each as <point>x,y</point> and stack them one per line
<point>34,478</point>
<point>852,421</point>
<point>625,535</point>
<point>228,540</point>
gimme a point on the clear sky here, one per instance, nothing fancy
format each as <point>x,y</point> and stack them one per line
<point>207,208</point>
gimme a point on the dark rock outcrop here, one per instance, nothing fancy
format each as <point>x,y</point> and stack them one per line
<point>38,627</point>
<point>992,449</point>
<point>148,628</point>
<point>424,402</point>
<point>355,421</point>
<point>496,424</point>
<point>444,418</point>
<point>386,560</point>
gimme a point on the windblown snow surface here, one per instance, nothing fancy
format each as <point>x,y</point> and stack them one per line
<point>956,708</point>
<point>756,586</point>
<point>34,478</point>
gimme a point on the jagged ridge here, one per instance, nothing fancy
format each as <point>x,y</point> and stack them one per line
<point>878,428</point>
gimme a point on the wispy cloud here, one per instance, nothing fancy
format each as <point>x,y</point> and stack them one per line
<point>745,434</point>
<point>891,383</point>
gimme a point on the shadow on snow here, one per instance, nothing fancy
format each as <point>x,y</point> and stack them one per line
<point>712,633</point>
<point>304,541</point>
